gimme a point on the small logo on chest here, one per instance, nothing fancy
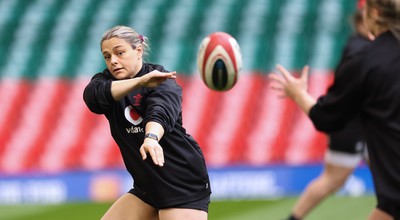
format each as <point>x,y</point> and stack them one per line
<point>137,98</point>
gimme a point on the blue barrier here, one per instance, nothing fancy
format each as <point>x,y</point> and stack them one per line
<point>226,183</point>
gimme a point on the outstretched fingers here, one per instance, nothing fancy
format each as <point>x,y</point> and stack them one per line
<point>143,153</point>
<point>276,78</point>
<point>156,154</point>
<point>167,75</point>
<point>304,73</point>
<point>156,77</point>
<point>286,74</point>
<point>171,75</point>
<point>288,85</point>
<point>278,84</point>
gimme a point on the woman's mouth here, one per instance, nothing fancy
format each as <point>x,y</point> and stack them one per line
<point>117,69</point>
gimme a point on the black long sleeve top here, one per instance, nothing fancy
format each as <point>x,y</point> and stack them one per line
<point>184,176</point>
<point>369,84</point>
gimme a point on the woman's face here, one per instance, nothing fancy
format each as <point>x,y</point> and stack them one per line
<point>122,60</point>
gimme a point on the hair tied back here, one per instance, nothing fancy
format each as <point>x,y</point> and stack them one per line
<point>141,38</point>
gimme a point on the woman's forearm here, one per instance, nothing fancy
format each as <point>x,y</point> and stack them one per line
<point>121,88</point>
<point>154,128</point>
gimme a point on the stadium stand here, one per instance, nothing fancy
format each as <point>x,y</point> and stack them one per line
<point>49,49</point>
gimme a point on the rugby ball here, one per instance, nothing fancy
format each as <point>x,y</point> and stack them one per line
<point>219,61</point>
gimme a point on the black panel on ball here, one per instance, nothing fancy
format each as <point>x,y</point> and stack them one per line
<point>219,75</point>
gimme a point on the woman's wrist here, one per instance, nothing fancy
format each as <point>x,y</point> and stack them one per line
<point>305,101</point>
<point>151,136</point>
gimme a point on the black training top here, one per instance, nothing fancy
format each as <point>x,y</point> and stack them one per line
<point>370,84</point>
<point>184,177</point>
<point>347,140</point>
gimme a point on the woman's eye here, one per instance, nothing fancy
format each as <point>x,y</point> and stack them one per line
<point>120,53</point>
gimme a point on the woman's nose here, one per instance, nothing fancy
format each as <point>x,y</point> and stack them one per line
<point>114,60</point>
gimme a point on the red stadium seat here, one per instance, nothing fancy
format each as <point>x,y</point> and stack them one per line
<point>36,123</point>
<point>268,139</point>
<point>199,105</point>
<point>13,96</point>
<point>62,149</point>
<point>232,122</point>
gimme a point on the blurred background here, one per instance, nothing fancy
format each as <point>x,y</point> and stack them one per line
<point>53,150</point>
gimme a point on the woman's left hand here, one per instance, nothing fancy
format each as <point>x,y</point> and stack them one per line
<point>155,150</point>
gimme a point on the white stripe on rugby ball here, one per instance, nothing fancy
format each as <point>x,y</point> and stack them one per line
<point>219,52</point>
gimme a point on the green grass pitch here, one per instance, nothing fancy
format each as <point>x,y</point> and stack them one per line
<point>355,208</point>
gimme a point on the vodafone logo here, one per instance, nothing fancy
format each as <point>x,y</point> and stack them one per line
<point>132,116</point>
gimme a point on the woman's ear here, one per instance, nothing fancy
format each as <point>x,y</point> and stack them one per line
<point>371,19</point>
<point>374,13</point>
<point>139,50</point>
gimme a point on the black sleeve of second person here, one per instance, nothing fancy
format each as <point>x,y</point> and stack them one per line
<point>342,101</point>
<point>164,105</point>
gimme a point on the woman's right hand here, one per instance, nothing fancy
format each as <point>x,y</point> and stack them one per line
<point>155,78</point>
<point>293,87</point>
